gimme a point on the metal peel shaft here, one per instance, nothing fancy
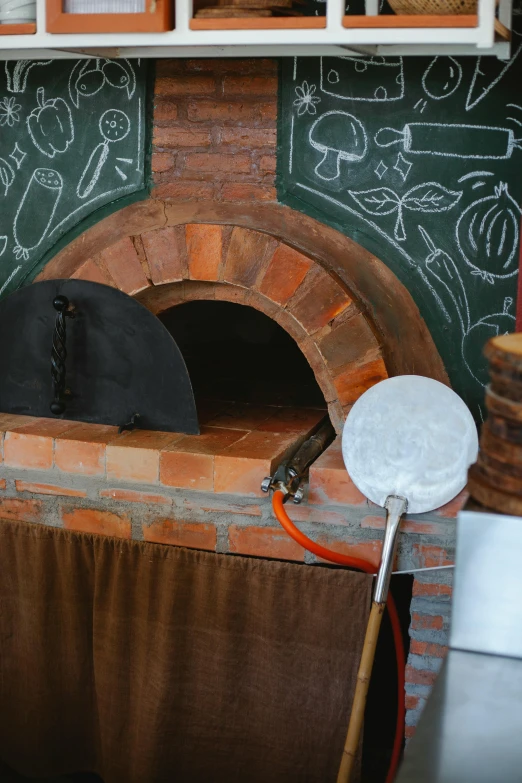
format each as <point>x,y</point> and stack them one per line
<point>395,508</point>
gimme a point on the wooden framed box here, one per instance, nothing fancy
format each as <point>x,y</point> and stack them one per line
<point>157,16</point>
<point>253,15</point>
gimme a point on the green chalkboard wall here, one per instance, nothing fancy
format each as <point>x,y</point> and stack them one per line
<point>72,140</point>
<point>419,160</point>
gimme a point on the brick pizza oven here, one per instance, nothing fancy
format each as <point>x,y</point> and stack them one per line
<point>212,232</point>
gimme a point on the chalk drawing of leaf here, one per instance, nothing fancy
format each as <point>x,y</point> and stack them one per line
<point>430,197</point>
<point>378,201</point>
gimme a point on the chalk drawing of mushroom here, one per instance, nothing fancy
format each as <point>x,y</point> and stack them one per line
<point>338,136</point>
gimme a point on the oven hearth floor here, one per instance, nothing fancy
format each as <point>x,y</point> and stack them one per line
<point>238,444</point>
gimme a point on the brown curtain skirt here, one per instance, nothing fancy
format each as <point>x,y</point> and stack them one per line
<point>152,664</point>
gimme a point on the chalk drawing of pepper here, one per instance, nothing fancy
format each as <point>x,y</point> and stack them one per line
<point>50,125</point>
<point>428,197</point>
<point>36,211</point>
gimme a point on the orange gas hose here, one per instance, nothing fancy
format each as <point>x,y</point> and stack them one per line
<point>369,568</point>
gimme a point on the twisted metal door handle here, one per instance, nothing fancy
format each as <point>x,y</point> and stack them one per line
<point>59,353</point>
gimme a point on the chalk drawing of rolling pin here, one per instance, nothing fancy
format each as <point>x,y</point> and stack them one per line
<point>114,126</point>
<point>480,142</point>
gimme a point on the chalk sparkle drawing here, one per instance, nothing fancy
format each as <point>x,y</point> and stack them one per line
<point>381,169</point>
<point>487,235</point>
<point>428,197</point>
<point>403,166</point>
<point>441,78</point>
<point>341,77</point>
<point>448,282</point>
<point>36,211</point>
<point>18,155</point>
<point>114,126</point>
<point>306,100</point>
<point>481,142</point>
<point>338,136</point>
<point>50,125</point>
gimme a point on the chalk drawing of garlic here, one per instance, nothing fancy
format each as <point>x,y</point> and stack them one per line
<point>306,101</point>
<point>428,197</point>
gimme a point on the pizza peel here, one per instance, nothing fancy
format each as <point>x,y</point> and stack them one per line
<point>407,444</point>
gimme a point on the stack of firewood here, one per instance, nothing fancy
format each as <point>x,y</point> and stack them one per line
<point>496,479</point>
<point>249,8</point>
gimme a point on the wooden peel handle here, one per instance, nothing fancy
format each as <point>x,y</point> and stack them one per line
<point>361,692</point>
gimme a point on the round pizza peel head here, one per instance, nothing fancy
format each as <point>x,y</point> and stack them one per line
<point>411,437</point>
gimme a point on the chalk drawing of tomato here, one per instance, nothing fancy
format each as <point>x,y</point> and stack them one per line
<point>50,125</point>
<point>36,211</point>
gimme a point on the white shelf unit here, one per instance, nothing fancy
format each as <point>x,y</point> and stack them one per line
<point>333,39</point>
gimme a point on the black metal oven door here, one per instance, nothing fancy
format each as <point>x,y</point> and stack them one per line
<point>86,352</point>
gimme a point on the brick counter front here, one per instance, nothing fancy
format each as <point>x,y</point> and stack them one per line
<point>206,495</point>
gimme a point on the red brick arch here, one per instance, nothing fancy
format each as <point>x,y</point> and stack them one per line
<point>164,262</point>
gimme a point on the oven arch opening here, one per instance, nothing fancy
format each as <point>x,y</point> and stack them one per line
<point>235,353</point>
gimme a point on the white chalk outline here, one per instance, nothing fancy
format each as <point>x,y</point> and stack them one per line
<point>291,156</point>
<point>99,154</point>
<point>493,83</point>
<point>131,86</point>
<point>449,277</point>
<point>11,276</point>
<point>405,137</point>
<point>490,277</point>
<point>403,171</point>
<point>138,164</point>
<point>427,202</point>
<point>306,100</point>
<point>18,155</point>
<point>366,61</point>
<point>17,80</point>
<point>122,189</point>
<point>3,244</point>
<point>412,262</point>
<point>20,250</point>
<point>427,71</point>
<point>475,174</point>
<point>455,287</point>
<point>44,105</point>
<point>383,169</point>
<point>341,154</point>
<point>82,67</point>
<point>6,177</point>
